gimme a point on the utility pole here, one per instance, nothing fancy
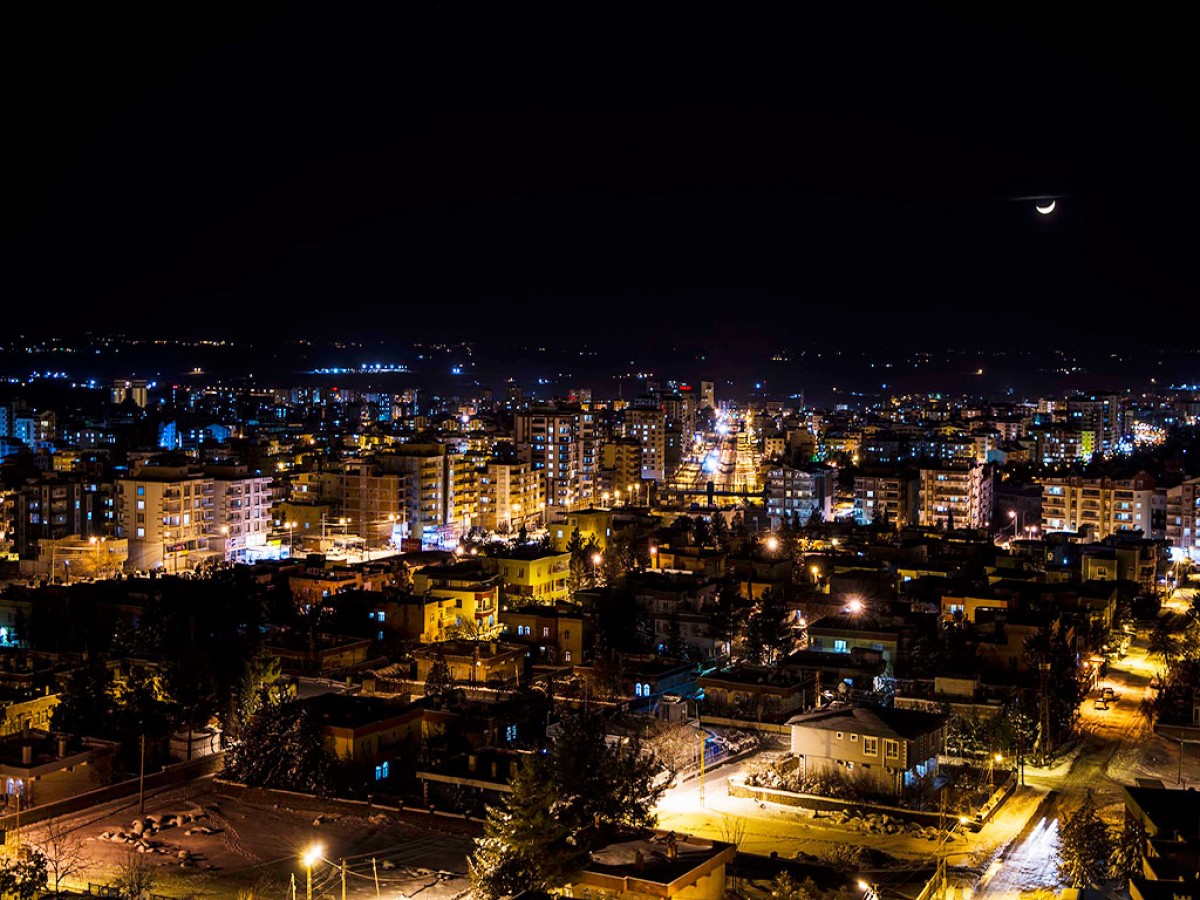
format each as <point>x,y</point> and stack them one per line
<point>343,879</point>
<point>1044,701</point>
<point>142,779</point>
<point>701,768</point>
<point>375,869</point>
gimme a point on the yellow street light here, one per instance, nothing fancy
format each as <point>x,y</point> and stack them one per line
<point>772,543</point>
<point>311,857</point>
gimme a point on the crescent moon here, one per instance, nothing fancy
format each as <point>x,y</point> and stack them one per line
<point>1046,210</point>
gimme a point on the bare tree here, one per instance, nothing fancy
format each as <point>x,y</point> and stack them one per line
<point>65,857</point>
<point>136,878</point>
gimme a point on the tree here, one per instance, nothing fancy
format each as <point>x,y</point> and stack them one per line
<point>1064,692</point>
<point>675,645</point>
<point>65,857</point>
<point>541,834</point>
<point>135,878</point>
<point>1084,847</point>
<point>85,705</point>
<point>769,633</point>
<point>439,683</point>
<point>23,874</point>
<point>280,747</point>
<point>728,617</point>
<point>1130,849</point>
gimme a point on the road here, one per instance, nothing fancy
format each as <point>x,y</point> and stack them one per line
<point>1117,747</point>
<point>726,457</point>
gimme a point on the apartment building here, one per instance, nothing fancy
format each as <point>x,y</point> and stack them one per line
<point>646,422</point>
<point>560,443</point>
<point>1105,505</point>
<point>886,497</point>
<point>166,510</point>
<point>955,494</point>
<point>799,493</point>
<point>511,495</point>
<point>1183,518</point>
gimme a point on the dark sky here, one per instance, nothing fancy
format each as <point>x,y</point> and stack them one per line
<point>599,173</point>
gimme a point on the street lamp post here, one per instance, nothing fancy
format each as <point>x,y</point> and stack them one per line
<point>311,856</point>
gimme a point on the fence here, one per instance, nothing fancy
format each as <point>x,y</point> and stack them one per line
<point>458,823</point>
<point>168,776</point>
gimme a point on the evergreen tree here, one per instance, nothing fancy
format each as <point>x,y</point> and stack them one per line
<point>542,832</point>
<point>676,646</point>
<point>720,532</point>
<point>85,705</point>
<point>439,683</point>
<point>769,633</point>
<point>24,875</point>
<point>727,617</point>
<point>1130,849</point>
<point>280,747</point>
<point>1085,848</point>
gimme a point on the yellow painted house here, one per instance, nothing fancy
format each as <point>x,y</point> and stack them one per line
<point>530,574</point>
<point>594,523</point>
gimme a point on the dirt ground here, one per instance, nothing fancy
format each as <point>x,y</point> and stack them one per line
<point>203,844</point>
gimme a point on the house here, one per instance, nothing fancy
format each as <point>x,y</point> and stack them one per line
<point>469,781</point>
<point>964,606</point>
<point>895,748</point>
<point>328,654</point>
<point>474,662</point>
<point>532,574</point>
<point>1170,822</point>
<point>38,767</point>
<point>641,679</point>
<point>757,693</point>
<point>688,559</point>
<point>473,595</point>
<point>556,631</point>
<point>649,863</point>
<point>371,731</point>
<point>848,631</point>
<point>594,524</point>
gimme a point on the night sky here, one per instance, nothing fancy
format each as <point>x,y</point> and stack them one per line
<point>576,174</point>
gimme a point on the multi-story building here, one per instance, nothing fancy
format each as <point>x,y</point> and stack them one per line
<point>559,442</point>
<point>165,508</point>
<point>620,467</point>
<point>242,508</point>
<point>646,422</point>
<point>511,495</point>
<point>799,493</point>
<point>1063,444</point>
<point>955,494</point>
<point>134,389</point>
<point>58,505</point>
<point>1183,518</point>
<point>890,497</point>
<point>1101,415</point>
<point>1104,505</point>
<point>372,499</point>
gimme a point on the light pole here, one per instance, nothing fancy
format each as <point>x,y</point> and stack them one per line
<point>311,856</point>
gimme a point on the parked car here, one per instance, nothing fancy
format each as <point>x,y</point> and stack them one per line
<point>1101,703</point>
<point>1108,693</point>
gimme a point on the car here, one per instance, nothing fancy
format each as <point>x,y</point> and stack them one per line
<point>1108,693</point>
<point>1101,703</point>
